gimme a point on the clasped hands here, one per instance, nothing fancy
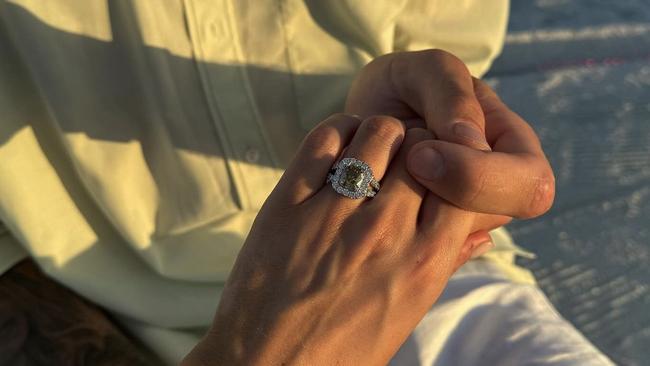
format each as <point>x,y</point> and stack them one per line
<point>325,279</point>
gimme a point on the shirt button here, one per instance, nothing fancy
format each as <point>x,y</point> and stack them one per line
<point>217,29</point>
<point>252,155</point>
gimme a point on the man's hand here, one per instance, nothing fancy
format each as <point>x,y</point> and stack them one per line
<point>512,179</point>
<point>485,158</point>
<point>432,85</point>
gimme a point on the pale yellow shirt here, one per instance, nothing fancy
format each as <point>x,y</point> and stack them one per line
<point>138,139</point>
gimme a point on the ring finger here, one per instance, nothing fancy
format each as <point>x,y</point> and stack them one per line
<point>376,142</point>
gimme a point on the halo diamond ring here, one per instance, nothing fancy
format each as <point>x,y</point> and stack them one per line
<point>353,178</point>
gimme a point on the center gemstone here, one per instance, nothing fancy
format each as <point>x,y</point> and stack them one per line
<point>352,178</point>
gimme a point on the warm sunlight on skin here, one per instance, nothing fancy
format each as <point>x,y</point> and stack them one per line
<point>335,288</point>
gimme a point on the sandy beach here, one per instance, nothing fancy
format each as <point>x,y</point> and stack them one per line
<point>579,72</point>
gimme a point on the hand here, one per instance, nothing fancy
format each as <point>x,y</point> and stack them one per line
<point>503,176</point>
<point>513,179</point>
<point>433,85</point>
<point>325,279</point>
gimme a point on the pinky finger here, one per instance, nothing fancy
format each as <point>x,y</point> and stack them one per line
<point>477,244</point>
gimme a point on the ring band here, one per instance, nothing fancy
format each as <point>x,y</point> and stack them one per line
<point>353,178</point>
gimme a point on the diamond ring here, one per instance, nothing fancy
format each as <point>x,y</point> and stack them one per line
<point>353,178</point>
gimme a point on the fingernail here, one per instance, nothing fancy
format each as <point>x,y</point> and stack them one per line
<point>470,132</point>
<point>482,249</point>
<point>427,163</point>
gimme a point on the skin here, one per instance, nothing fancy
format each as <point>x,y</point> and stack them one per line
<point>347,288</point>
<point>268,300</point>
<point>500,171</point>
<point>335,290</point>
<point>513,179</point>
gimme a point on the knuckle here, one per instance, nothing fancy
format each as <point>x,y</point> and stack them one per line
<point>381,60</point>
<point>322,140</point>
<point>446,62</point>
<point>441,56</point>
<point>472,185</point>
<point>460,101</point>
<point>384,127</point>
<point>377,66</point>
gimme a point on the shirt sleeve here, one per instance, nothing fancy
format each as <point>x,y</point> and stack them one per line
<point>473,30</point>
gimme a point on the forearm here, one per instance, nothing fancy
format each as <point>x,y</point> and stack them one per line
<point>43,323</point>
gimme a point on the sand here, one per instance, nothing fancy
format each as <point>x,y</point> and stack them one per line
<point>579,72</point>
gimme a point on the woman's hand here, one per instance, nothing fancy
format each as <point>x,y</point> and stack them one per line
<point>325,279</point>
<point>487,159</point>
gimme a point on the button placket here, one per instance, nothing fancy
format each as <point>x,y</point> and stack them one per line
<point>252,155</point>
<point>234,111</point>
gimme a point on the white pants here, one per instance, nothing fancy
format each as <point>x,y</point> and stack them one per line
<point>483,318</point>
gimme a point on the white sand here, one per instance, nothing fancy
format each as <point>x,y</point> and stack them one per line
<point>579,71</point>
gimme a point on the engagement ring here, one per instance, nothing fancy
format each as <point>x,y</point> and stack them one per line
<point>353,178</point>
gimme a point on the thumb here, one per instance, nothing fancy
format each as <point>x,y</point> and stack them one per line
<point>479,181</point>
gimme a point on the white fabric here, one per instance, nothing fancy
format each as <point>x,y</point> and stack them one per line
<point>483,318</point>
